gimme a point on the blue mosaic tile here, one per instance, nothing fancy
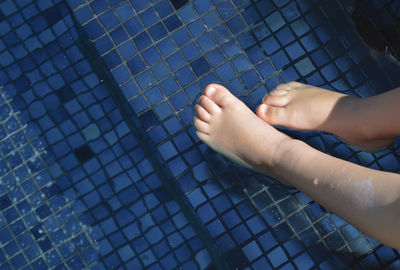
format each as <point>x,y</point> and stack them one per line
<point>250,46</point>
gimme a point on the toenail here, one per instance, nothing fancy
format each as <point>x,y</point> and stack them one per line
<point>278,93</point>
<point>211,90</point>
<point>263,108</point>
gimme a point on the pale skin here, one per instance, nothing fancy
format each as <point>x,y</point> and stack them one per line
<point>367,198</point>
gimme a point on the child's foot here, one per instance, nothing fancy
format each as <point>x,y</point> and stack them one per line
<point>305,107</point>
<point>228,126</point>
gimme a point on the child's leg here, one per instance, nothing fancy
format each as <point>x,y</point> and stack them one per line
<point>366,198</point>
<point>369,123</point>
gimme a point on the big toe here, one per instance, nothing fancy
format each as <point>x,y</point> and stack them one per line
<point>219,94</point>
<point>272,115</point>
<point>278,98</point>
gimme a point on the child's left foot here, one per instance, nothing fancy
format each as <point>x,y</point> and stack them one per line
<point>228,126</point>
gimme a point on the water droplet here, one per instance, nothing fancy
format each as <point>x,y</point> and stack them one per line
<point>315,181</point>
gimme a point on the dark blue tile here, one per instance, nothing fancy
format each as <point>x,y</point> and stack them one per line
<point>178,101</point>
<point>225,72</point>
<point>330,72</point>
<point>285,36</point>
<point>184,76</point>
<point>237,260</point>
<point>294,50</point>
<point>200,66</point>
<point>11,214</point>
<point>202,6</point>
<point>43,211</point>
<point>139,5</point>
<point>280,60</point>
<point>18,261</point>
<point>187,13</point>
<point>215,57</point>
<point>160,70</point>
<point>178,3</point>
<point>133,26</point>
<point>124,11</point>
<point>190,52</point>
<point>118,35</point>
<point>251,15</point>
<point>75,263</point>
<point>277,257</point>
<point>136,65</point>
<point>109,20</point>
<point>157,31</point>
<point>252,251</point>
<point>196,28</point>
<point>212,19</point>
<point>154,95</point>
<point>250,79</point>
<point>148,17</point>
<point>226,10</point>
<point>166,46</point>
<point>112,59</point>
<point>45,244</point>
<point>145,80</point>
<point>175,61</point>
<point>142,41</point>
<point>265,69</point>
<point>148,119</point>
<point>181,37</point>
<point>99,6</point>
<point>52,15</point>
<point>240,234</point>
<point>231,48</point>
<point>4,202</point>
<point>5,235</point>
<point>163,8</point>
<point>84,153</point>
<point>172,23</point>
<point>300,27</point>
<point>163,110</point>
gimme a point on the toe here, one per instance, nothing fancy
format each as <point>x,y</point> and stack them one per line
<point>202,114</point>
<point>276,92</point>
<point>202,136</point>
<point>201,126</point>
<point>208,105</point>
<point>293,85</point>
<point>271,115</point>
<point>288,86</point>
<point>219,94</point>
<point>277,100</point>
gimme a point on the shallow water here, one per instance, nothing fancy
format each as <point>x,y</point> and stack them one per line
<point>101,168</point>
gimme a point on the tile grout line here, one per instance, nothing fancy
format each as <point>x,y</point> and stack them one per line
<point>151,152</point>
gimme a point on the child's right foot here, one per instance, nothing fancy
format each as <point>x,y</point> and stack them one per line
<point>305,107</point>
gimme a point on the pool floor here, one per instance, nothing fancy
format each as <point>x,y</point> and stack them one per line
<point>101,167</point>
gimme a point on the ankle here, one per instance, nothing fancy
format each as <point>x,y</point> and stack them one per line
<point>365,122</point>
<point>352,119</point>
<point>281,151</point>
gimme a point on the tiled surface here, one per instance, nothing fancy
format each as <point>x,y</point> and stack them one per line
<point>78,191</point>
<point>116,204</point>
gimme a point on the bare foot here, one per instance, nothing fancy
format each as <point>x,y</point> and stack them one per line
<point>228,126</point>
<point>305,107</point>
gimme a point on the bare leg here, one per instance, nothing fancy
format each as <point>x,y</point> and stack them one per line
<point>369,123</point>
<point>366,198</point>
